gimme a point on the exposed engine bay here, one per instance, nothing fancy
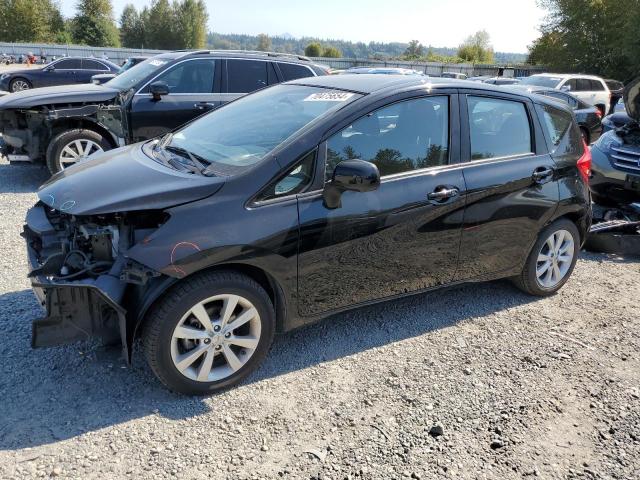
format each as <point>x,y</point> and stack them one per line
<point>80,270</point>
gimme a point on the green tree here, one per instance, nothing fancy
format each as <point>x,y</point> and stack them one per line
<point>331,52</point>
<point>477,48</point>
<point>29,20</point>
<point>131,28</point>
<point>93,24</point>
<point>314,49</point>
<point>192,20</point>
<point>161,26</point>
<point>264,42</point>
<point>413,51</point>
<point>590,36</point>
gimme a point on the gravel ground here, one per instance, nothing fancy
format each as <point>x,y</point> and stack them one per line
<point>478,381</point>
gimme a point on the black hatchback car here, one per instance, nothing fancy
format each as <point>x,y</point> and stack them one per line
<point>65,71</point>
<point>63,125</point>
<point>299,201</point>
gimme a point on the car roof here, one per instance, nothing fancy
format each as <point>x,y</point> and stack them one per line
<point>370,83</point>
<point>567,75</point>
<point>288,57</point>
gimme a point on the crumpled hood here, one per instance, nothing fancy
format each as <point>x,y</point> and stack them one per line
<point>85,92</point>
<point>631,98</point>
<point>123,180</point>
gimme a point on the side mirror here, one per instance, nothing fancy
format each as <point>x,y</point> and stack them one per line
<point>354,175</point>
<point>50,68</point>
<point>158,89</point>
<point>565,88</point>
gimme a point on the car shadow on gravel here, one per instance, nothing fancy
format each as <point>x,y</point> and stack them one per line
<point>21,178</point>
<point>55,394</point>
<point>384,323</point>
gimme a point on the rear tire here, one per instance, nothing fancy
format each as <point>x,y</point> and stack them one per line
<point>193,347</point>
<point>79,142</point>
<point>535,279</point>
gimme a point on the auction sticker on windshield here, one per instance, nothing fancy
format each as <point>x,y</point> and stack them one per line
<point>329,97</point>
<point>157,63</point>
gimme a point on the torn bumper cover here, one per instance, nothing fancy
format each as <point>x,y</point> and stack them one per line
<point>75,309</point>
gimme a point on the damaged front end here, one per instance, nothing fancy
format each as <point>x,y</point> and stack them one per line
<point>80,272</point>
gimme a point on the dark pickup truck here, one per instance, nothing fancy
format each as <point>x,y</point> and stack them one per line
<point>62,125</point>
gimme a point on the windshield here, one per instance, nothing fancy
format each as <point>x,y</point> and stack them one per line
<point>241,133</point>
<point>131,77</point>
<point>541,81</point>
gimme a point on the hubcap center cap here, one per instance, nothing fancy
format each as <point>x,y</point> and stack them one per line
<point>217,340</point>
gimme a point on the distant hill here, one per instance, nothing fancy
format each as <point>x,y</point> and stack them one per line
<point>288,44</point>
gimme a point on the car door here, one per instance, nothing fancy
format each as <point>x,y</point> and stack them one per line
<point>193,90</point>
<point>511,184</point>
<point>61,73</point>
<point>402,237</point>
<point>242,76</point>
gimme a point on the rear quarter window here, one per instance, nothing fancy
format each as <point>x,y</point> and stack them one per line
<point>560,129</point>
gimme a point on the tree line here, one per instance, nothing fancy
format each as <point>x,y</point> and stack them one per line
<point>598,37</point>
<point>181,24</point>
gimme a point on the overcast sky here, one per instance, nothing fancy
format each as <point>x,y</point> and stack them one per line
<point>512,24</point>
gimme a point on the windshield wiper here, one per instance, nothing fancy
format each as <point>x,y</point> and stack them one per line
<point>199,163</point>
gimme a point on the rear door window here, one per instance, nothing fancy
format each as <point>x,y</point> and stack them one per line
<point>596,86</point>
<point>244,76</point>
<point>93,65</point>
<point>584,85</point>
<point>498,128</point>
<point>291,71</point>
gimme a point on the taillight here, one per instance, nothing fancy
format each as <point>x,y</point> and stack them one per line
<point>598,113</point>
<point>584,163</point>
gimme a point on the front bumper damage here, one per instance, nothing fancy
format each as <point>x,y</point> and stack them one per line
<point>77,307</point>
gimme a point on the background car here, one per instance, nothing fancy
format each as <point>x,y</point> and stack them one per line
<point>456,75</point>
<point>590,89</point>
<point>148,100</point>
<point>299,201</point>
<point>381,71</point>
<point>128,63</point>
<point>65,71</point>
<point>587,116</point>
<point>501,81</point>
<point>615,178</point>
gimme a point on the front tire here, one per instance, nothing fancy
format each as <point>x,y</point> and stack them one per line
<point>19,84</point>
<point>209,332</point>
<point>551,261</point>
<point>72,146</point>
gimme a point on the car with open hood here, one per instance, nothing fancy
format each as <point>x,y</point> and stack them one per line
<point>66,124</point>
<point>615,179</point>
<point>299,201</point>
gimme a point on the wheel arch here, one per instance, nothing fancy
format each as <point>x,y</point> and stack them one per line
<point>143,304</point>
<point>64,124</point>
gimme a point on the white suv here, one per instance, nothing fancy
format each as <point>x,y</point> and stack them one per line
<point>588,88</point>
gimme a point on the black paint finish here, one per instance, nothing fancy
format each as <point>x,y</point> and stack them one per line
<point>403,237</point>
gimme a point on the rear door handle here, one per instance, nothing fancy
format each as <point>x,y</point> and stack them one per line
<point>443,193</point>
<point>542,173</point>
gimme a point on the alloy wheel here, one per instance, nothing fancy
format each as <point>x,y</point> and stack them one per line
<point>215,338</point>
<point>77,150</point>
<point>19,85</point>
<point>554,259</point>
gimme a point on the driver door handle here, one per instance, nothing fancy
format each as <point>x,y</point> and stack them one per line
<point>443,193</point>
